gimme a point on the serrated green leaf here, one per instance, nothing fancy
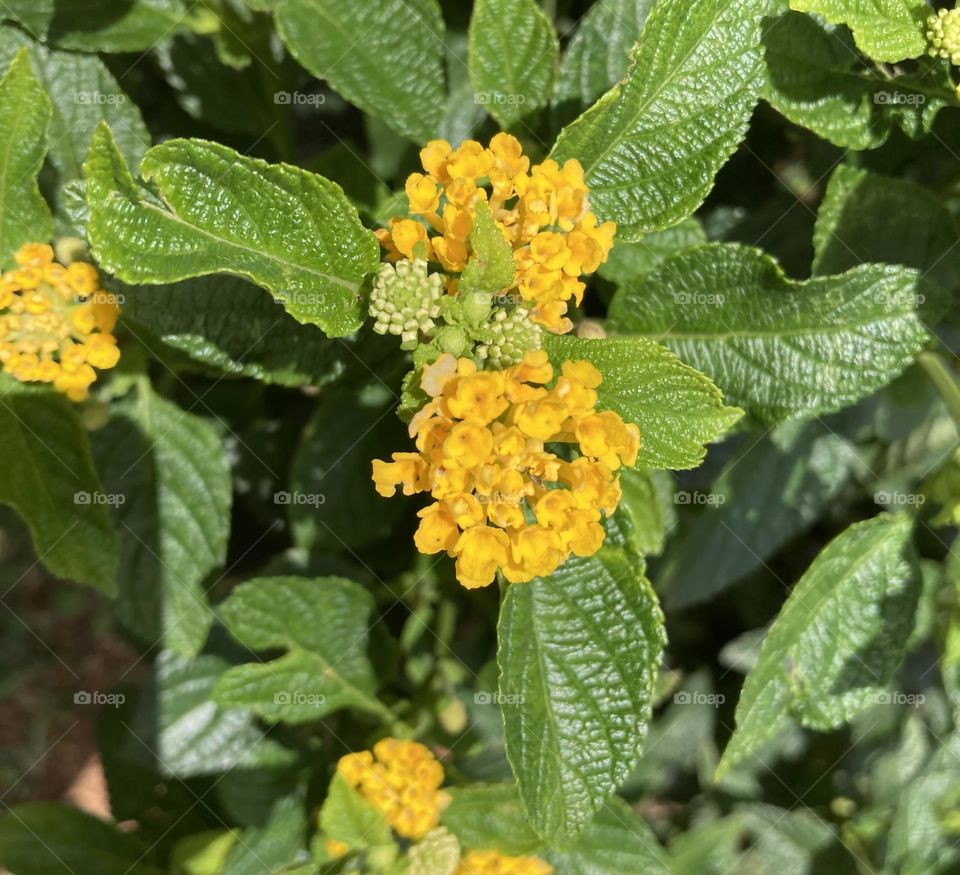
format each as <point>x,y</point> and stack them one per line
<point>385,56</point>
<point>771,491</point>
<point>491,268</point>
<point>885,30</point>
<point>647,504</point>
<point>48,838</point>
<point>513,58</point>
<point>778,348</point>
<point>275,845</point>
<point>814,78</point>
<point>172,471</point>
<point>178,729</point>
<point>578,655</point>
<point>865,217</point>
<point>84,93</point>
<point>631,261</point>
<point>202,853</point>
<point>838,639</point>
<point>677,409</point>
<point>598,54</point>
<point>323,624</point>
<point>50,481</point>
<point>290,231</point>
<point>25,112</point>
<point>652,145</point>
<point>490,817</point>
<point>348,817</point>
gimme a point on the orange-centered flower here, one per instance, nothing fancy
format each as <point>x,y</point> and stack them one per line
<point>503,500</point>
<point>543,211</point>
<point>56,323</point>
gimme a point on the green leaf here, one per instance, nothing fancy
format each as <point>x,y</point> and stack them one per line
<point>84,93</point>
<point>385,56</point>
<point>47,838</point>
<point>227,325</point>
<point>330,477</point>
<point>323,624</point>
<point>25,112</point>
<point>578,655</point>
<point>178,729</point>
<point>814,78</point>
<point>490,817</point>
<point>677,409</point>
<point>776,347</point>
<point>172,471</point>
<point>652,145</point>
<point>275,845</point>
<point>769,493</point>
<point>865,217</point>
<point>292,232</point>
<point>617,841</point>
<point>598,55</point>
<point>347,817</point>
<point>492,267</point>
<point>50,481</point>
<point>630,262</point>
<point>838,639</point>
<point>437,853</point>
<point>202,853</point>
<point>885,30</point>
<point>647,505</point>
<point>513,58</point>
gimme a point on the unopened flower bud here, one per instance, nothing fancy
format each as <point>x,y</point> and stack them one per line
<point>943,34</point>
<point>476,306</point>
<point>453,339</point>
<point>406,300</point>
<point>513,334</point>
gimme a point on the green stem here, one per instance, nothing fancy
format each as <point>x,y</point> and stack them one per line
<point>942,377</point>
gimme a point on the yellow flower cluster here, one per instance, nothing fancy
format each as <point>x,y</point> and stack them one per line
<point>503,501</point>
<point>543,211</point>
<point>400,778</point>
<point>55,322</point>
<point>495,863</point>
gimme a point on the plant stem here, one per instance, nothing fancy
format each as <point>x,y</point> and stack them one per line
<point>943,378</point>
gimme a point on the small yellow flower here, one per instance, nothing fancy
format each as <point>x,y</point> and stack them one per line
<point>495,863</point>
<point>55,323</point>
<point>402,779</point>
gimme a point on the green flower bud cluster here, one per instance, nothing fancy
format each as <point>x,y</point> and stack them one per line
<point>943,34</point>
<point>406,301</point>
<point>513,334</point>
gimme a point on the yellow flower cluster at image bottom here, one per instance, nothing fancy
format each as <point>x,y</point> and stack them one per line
<point>402,779</point>
<point>55,322</point>
<point>543,211</point>
<point>503,501</point>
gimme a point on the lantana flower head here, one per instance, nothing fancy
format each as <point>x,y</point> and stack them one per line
<point>543,211</point>
<point>503,500</point>
<point>56,322</point>
<point>402,779</point>
<point>495,863</point>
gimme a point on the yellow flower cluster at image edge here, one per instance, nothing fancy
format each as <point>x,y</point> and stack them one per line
<point>543,211</point>
<point>402,779</point>
<point>55,322</point>
<point>502,501</point>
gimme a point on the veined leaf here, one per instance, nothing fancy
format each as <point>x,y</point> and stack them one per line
<point>292,232</point>
<point>49,479</point>
<point>25,113</point>
<point>778,348</point>
<point>513,57</point>
<point>598,55</point>
<point>631,261</point>
<point>171,469</point>
<point>677,409</point>
<point>490,817</point>
<point>346,816</point>
<point>837,641</point>
<point>652,145</point>
<point>578,655</point>
<point>385,56</point>
<point>273,846</point>
<point>885,30</point>
<point>84,93</point>
<point>491,268</point>
<point>814,78</point>
<point>323,625</point>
